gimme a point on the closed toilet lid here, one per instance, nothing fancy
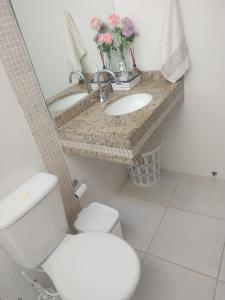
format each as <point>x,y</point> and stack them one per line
<point>94,266</point>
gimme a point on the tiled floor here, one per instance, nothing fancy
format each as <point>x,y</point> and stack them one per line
<point>178,231</point>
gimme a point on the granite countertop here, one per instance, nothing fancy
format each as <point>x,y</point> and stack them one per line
<point>94,134</point>
<point>73,89</point>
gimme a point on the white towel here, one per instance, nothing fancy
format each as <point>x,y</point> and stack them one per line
<point>175,56</point>
<point>75,45</point>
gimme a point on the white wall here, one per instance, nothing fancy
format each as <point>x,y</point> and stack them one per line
<point>194,140</point>
<point>104,179</point>
<point>194,137</point>
<point>147,16</point>
<point>19,159</point>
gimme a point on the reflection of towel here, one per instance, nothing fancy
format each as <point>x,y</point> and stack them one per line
<point>75,49</point>
<point>175,56</point>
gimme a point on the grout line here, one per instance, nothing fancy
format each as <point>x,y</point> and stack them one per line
<point>199,176</point>
<point>175,189</point>
<point>221,261</point>
<point>140,251</point>
<point>198,214</point>
<point>167,206</point>
<point>174,207</point>
<point>190,211</point>
<point>215,291</point>
<point>113,200</point>
<point>157,202</point>
<point>156,231</point>
<point>181,266</point>
<point>146,201</point>
<point>139,198</point>
<point>118,192</point>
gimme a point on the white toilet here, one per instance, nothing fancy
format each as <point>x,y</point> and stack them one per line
<point>87,266</point>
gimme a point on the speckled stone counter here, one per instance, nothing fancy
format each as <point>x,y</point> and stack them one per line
<point>120,139</point>
<point>74,89</point>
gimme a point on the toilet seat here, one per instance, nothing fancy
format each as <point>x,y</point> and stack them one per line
<point>94,266</point>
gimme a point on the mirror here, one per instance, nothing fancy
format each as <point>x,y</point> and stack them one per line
<point>46,26</point>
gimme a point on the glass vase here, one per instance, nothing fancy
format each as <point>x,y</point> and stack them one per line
<point>122,58</point>
<point>109,64</point>
<point>123,69</point>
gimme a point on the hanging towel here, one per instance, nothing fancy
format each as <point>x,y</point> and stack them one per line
<point>175,56</point>
<point>75,45</point>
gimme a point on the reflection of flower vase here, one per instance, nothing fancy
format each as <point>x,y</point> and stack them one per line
<point>109,65</point>
<point>123,70</point>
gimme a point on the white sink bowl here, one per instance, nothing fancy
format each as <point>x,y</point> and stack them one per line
<point>66,102</point>
<point>128,104</point>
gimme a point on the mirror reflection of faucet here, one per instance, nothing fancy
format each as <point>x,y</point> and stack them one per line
<point>102,94</point>
<point>82,78</point>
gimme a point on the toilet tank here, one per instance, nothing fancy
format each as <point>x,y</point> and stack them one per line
<point>33,221</point>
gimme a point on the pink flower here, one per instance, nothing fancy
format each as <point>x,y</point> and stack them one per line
<point>114,20</point>
<point>95,23</point>
<point>101,38</point>
<point>108,38</point>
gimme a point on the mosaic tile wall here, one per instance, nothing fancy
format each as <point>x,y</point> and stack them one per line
<point>19,69</point>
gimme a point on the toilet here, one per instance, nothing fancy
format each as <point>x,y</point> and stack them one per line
<point>86,266</point>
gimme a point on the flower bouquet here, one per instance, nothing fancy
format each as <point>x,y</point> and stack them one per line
<point>104,40</point>
<point>116,35</point>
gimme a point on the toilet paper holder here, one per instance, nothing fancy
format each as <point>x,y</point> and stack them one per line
<point>79,188</point>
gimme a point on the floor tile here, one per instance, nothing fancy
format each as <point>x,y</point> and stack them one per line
<point>190,240</point>
<point>220,291</point>
<point>222,269</point>
<point>139,220</point>
<point>201,195</point>
<point>161,280</point>
<point>161,193</point>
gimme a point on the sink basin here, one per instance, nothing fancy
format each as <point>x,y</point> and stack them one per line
<point>66,102</point>
<point>128,104</point>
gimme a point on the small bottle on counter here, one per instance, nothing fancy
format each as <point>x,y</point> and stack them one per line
<point>123,74</point>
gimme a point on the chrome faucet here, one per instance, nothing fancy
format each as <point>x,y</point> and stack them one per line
<point>102,94</point>
<point>81,75</point>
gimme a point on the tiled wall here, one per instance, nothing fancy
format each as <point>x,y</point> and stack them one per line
<point>17,65</point>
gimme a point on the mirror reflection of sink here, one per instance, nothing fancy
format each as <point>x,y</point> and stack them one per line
<point>128,104</point>
<point>66,102</point>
